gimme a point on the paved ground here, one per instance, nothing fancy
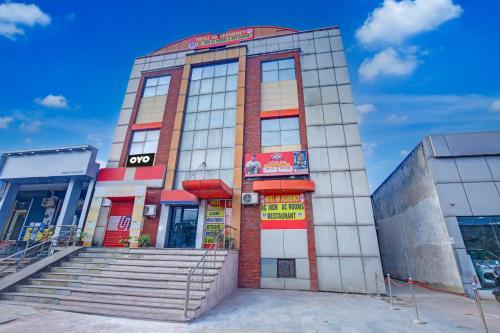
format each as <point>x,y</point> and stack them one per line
<point>256,311</point>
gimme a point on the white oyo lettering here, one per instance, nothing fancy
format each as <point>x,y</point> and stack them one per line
<point>140,159</point>
<point>133,160</point>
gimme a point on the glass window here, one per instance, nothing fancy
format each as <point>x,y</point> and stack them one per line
<point>204,102</point>
<point>280,132</point>
<point>218,101</point>
<point>232,83</point>
<point>144,142</point>
<point>206,86</point>
<point>216,119</point>
<point>194,87</point>
<point>220,70</point>
<point>232,68</point>
<point>156,86</point>
<point>230,100</point>
<point>208,72</point>
<point>286,268</point>
<point>278,70</point>
<point>196,73</point>
<point>192,104</point>
<point>219,84</point>
<point>202,120</point>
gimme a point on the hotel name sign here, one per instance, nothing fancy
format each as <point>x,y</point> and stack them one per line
<point>227,38</point>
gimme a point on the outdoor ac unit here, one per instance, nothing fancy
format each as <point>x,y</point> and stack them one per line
<point>150,210</point>
<point>250,198</point>
<point>48,202</point>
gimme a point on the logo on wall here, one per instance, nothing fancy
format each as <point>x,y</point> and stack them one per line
<point>140,160</point>
<point>119,223</point>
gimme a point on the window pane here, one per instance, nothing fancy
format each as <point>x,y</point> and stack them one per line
<point>151,82</point>
<point>230,118</point>
<point>194,87</point>
<point>290,137</point>
<point>219,84</point>
<point>220,70</point>
<point>189,121</point>
<point>164,80</point>
<point>136,148</point>
<point>269,66</point>
<point>227,158</point>
<point>152,135</point>
<point>202,120</point>
<point>187,140</point>
<point>230,100</point>
<point>227,177</point>
<point>200,140</point>
<point>208,72</point>
<point>150,147</point>
<point>286,63</point>
<point>216,118</point>
<point>162,90</point>
<point>214,138</point>
<point>206,86</point>
<point>139,136</point>
<point>232,83</point>
<point>270,125</point>
<point>287,74</point>
<point>204,102</point>
<point>197,159</point>
<point>149,91</point>
<point>270,76</point>
<point>218,101</point>
<point>184,161</point>
<point>270,139</point>
<point>196,73</point>
<point>289,123</point>
<point>232,68</point>
<point>213,159</point>
<point>192,105</point>
<point>228,137</point>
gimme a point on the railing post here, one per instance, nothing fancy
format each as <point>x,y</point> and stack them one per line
<point>188,287</point>
<point>392,307</point>
<point>479,306</point>
<point>417,320</point>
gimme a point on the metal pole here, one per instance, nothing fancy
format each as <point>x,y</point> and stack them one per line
<point>392,307</point>
<point>417,320</point>
<point>478,302</point>
<point>188,287</point>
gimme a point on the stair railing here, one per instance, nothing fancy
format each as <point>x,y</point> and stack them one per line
<point>224,236</point>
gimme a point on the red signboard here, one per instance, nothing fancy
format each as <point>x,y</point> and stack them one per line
<point>290,163</point>
<point>227,38</point>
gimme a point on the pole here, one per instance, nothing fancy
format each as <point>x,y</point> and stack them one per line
<point>376,287</point>
<point>478,302</point>
<point>392,307</point>
<point>417,320</point>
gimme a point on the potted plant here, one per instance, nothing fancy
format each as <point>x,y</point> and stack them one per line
<point>125,241</point>
<point>144,240</point>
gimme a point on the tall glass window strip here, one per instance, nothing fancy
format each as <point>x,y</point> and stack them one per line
<point>278,70</point>
<point>280,132</point>
<point>208,133</point>
<point>144,142</point>
<point>156,86</point>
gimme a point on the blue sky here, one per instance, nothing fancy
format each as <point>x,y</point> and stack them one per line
<point>417,67</point>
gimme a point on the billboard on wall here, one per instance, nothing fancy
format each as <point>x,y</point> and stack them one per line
<point>227,38</point>
<point>283,211</point>
<point>217,212</point>
<point>291,163</point>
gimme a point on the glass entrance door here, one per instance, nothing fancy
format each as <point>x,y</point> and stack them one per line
<point>182,227</point>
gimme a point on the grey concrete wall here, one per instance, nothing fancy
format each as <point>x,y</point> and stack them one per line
<point>412,231</point>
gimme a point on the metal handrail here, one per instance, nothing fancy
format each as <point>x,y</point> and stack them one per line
<point>220,237</point>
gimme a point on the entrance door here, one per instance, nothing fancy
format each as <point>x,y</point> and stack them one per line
<point>182,230</point>
<point>16,224</point>
<point>120,218</point>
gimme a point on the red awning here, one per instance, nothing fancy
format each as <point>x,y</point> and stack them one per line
<point>177,197</point>
<point>208,188</point>
<point>283,186</point>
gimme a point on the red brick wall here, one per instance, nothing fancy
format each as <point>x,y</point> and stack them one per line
<point>249,265</point>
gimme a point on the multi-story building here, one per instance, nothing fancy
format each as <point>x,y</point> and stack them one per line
<point>260,113</point>
<point>438,213</point>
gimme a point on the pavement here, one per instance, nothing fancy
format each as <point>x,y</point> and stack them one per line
<point>260,310</point>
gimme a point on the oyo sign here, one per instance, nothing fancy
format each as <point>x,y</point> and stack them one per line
<point>140,160</point>
<point>227,38</point>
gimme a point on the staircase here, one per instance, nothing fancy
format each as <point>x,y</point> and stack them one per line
<point>132,283</point>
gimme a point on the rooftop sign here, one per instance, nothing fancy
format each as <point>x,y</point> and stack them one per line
<point>227,38</point>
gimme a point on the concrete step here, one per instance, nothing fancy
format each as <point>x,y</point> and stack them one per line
<point>85,308</point>
<point>149,251</point>
<point>156,285</point>
<point>175,275</point>
<point>152,258</point>
<point>177,304</point>
<point>138,267</point>
<point>98,290</point>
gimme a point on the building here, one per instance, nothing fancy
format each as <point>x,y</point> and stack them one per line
<point>438,213</point>
<point>45,191</point>
<point>264,113</point>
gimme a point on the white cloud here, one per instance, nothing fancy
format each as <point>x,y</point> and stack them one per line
<point>404,153</point>
<point>31,126</point>
<point>363,109</point>
<point>387,63</point>
<point>396,119</point>
<point>396,21</point>
<point>53,101</point>
<point>14,15</point>
<point>495,106</point>
<point>5,121</point>
<point>369,148</point>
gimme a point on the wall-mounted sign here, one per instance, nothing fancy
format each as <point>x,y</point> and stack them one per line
<point>227,38</point>
<point>217,212</point>
<point>283,211</point>
<point>140,160</point>
<point>276,164</point>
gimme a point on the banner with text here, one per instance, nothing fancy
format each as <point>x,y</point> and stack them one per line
<point>216,214</point>
<point>283,211</point>
<point>288,163</point>
<point>227,38</point>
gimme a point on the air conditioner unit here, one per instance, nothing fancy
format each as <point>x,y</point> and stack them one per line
<point>149,210</point>
<point>48,202</point>
<point>250,198</point>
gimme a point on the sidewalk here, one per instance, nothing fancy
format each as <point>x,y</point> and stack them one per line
<point>259,310</point>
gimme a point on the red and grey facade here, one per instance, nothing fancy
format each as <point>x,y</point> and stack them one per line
<point>254,129</point>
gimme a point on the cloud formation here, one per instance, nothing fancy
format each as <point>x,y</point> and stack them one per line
<point>396,21</point>
<point>396,118</point>
<point>53,101</point>
<point>5,121</point>
<point>363,109</point>
<point>388,62</point>
<point>31,126</point>
<point>495,106</point>
<point>14,16</point>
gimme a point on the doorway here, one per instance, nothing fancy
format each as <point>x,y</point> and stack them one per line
<point>182,227</point>
<point>118,227</point>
